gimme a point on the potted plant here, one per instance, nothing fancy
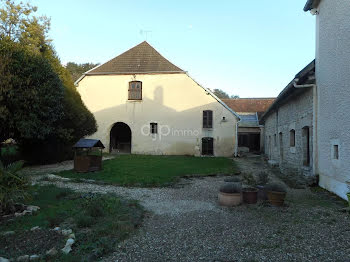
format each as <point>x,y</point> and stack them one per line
<point>230,194</point>
<point>233,180</point>
<point>263,179</point>
<point>276,193</point>
<point>250,193</point>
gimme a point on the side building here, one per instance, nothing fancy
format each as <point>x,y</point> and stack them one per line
<point>250,138</point>
<point>289,126</point>
<point>333,93</point>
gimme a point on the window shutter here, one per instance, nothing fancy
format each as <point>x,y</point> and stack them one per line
<point>135,90</point>
<point>207,119</point>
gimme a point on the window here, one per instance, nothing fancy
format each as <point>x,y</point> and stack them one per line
<point>207,119</point>
<point>154,128</point>
<point>207,146</point>
<point>135,90</point>
<point>292,138</point>
<point>275,140</point>
<point>335,152</point>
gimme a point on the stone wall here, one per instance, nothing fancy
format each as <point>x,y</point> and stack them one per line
<point>295,114</point>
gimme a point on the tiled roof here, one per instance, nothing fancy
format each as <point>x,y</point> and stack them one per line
<point>142,58</point>
<point>249,105</point>
<point>305,78</point>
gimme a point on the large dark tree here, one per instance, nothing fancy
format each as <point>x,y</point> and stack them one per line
<point>39,104</point>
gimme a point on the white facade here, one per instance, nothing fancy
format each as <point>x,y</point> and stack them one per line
<point>174,101</point>
<point>333,82</point>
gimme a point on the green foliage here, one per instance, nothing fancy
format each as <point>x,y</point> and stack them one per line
<point>34,113</point>
<point>222,94</point>
<point>49,115</point>
<point>263,178</point>
<point>145,170</point>
<point>76,70</point>
<point>231,188</point>
<point>13,186</point>
<point>277,187</point>
<point>249,179</point>
<point>97,235</point>
<point>233,180</point>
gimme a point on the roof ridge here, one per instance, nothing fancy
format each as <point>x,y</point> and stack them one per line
<point>142,58</point>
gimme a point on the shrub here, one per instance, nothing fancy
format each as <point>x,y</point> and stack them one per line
<point>95,208</point>
<point>85,221</point>
<point>233,180</point>
<point>13,186</point>
<point>278,187</point>
<point>249,179</point>
<point>231,188</point>
<point>263,178</point>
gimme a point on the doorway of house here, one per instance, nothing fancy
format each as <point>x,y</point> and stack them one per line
<point>120,138</point>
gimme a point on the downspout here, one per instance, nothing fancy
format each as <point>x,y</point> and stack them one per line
<point>236,142</point>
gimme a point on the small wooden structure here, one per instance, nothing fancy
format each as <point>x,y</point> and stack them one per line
<point>88,155</point>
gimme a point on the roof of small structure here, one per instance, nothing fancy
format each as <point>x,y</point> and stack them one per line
<point>88,143</point>
<point>142,58</point>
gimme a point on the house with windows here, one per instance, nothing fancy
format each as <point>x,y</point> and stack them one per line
<point>144,104</point>
<point>289,126</point>
<point>333,93</point>
<point>250,138</point>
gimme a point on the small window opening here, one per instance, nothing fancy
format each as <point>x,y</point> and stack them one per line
<point>275,140</point>
<point>292,138</point>
<point>154,128</point>
<point>335,152</point>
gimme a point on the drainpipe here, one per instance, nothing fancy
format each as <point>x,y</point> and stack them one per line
<point>302,86</point>
<point>236,144</point>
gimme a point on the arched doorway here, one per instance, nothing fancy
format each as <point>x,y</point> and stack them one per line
<point>120,138</point>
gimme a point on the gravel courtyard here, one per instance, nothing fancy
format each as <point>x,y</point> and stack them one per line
<point>185,223</point>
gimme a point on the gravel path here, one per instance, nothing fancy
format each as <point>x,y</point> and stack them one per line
<point>186,224</point>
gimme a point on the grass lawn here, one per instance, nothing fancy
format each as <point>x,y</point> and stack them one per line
<point>98,221</point>
<point>147,170</point>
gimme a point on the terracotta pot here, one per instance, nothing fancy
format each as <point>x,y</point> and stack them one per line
<point>276,198</point>
<point>229,200</point>
<point>262,194</point>
<point>250,195</point>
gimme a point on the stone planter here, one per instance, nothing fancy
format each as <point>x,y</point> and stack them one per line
<point>250,195</point>
<point>230,199</point>
<point>276,198</point>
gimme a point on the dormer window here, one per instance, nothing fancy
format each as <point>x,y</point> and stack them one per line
<point>135,90</point>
